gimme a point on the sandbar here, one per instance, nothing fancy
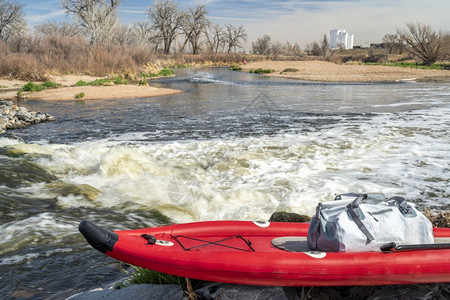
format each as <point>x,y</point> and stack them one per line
<point>348,72</point>
<point>10,87</point>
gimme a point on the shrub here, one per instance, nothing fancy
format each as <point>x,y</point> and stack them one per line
<point>166,72</point>
<point>261,71</point>
<point>32,87</point>
<point>149,75</point>
<point>81,83</point>
<point>235,68</point>
<point>103,81</point>
<point>79,96</point>
<point>120,80</point>
<point>50,85</point>
<point>290,70</point>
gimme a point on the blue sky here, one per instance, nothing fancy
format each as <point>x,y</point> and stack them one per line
<point>296,21</point>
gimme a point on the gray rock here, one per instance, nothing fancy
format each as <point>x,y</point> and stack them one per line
<point>6,103</point>
<point>14,117</point>
<point>24,115</point>
<point>232,292</point>
<point>137,291</point>
<point>3,123</point>
<point>281,216</point>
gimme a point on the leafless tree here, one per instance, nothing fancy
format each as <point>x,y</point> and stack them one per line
<point>324,46</point>
<point>52,28</point>
<point>97,18</point>
<point>167,20</point>
<point>12,19</point>
<point>193,26</point>
<point>145,35</point>
<point>392,43</point>
<point>262,45</point>
<point>215,37</point>
<point>234,36</point>
<point>313,49</point>
<point>447,46</point>
<point>423,41</point>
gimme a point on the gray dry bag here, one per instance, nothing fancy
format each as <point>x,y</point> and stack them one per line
<point>366,223</point>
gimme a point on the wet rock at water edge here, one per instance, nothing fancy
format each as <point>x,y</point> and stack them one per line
<point>281,216</point>
<point>13,116</point>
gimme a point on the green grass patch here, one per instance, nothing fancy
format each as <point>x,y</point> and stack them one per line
<point>235,68</point>
<point>261,71</point>
<point>290,70</point>
<point>166,72</point>
<point>149,75</point>
<point>79,96</point>
<point>119,80</point>
<point>413,65</point>
<point>33,87</point>
<point>163,73</point>
<point>97,82</point>
<point>143,276</point>
<point>102,81</point>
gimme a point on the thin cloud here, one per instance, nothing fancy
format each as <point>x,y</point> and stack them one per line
<point>41,18</point>
<point>296,21</point>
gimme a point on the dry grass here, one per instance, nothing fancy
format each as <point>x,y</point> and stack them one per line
<point>34,59</point>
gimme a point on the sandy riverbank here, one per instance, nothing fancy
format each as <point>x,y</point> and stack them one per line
<point>9,88</point>
<point>331,72</point>
<point>306,70</point>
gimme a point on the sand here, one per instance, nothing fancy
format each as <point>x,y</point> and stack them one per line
<point>331,72</point>
<point>9,88</point>
<point>307,70</point>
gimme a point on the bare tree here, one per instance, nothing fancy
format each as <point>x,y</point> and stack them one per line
<point>424,42</point>
<point>52,28</point>
<point>97,18</point>
<point>262,45</point>
<point>193,26</point>
<point>313,49</point>
<point>234,36</point>
<point>392,43</point>
<point>324,46</point>
<point>145,35</point>
<point>12,19</point>
<point>215,37</point>
<point>167,20</point>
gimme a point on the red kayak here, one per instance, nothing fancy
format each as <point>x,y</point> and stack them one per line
<point>272,254</point>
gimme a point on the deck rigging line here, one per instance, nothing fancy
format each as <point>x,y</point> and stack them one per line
<point>216,243</point>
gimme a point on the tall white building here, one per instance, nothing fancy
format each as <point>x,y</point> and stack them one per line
<point>341,38</point>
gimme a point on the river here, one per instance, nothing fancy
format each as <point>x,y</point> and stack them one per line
<point>232,146</point>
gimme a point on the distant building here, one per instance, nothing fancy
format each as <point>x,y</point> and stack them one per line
<point>341,38</point>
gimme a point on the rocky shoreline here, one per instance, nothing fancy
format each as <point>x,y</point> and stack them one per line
<point>13,116</point>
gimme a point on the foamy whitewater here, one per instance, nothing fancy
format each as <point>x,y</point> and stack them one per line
<point>232,147</point>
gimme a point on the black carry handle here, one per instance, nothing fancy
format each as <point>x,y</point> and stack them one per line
<point>394,247</point>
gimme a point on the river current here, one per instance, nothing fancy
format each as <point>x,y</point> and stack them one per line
<point>233,146</point>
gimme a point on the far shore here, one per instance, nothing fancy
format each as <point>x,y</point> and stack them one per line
<point>350,72</point>
<point>301,70</point>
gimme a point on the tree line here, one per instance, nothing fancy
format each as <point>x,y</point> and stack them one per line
<point>172,30</point>
<point>420,40</point>
<point>169,29</point>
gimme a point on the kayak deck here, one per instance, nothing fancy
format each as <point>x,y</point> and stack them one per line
<point>246,252</point>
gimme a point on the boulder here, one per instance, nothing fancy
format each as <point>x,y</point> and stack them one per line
<point>13,116</point>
